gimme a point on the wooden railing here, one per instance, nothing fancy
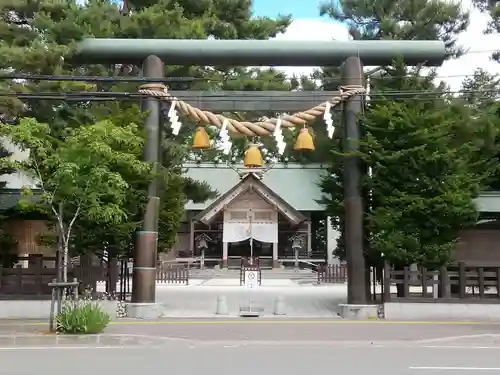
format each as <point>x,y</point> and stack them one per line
<point>331,273</point>
<point>456,282</point>
<point>32,275</point>
<point>172,274</point>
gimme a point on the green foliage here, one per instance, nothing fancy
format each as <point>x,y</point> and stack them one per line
<point>403,20</point>
<point>81,317</point>
<point>480,95</point>
<point>8,245</point>
<point>427,167</point>
<point>87,170</point>
<point>492,9</point>
<point>40,37</point>
<point>82,169</point>
<point>429,155</point>
<point>422,182</point>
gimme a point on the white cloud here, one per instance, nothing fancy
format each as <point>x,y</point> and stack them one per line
<point>314,29</point>
<point>452,72</point>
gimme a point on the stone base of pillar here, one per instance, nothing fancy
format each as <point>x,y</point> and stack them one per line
<point>224,263</point>
<point>276,263</point>
<point>359,312</point>
<point>144,310</point>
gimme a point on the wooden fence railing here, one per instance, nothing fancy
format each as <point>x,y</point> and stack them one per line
<point>38,272</point>
<point>172,274</point>
<point>31,276</point>
<point>331,273</point>
<point>456,282</point>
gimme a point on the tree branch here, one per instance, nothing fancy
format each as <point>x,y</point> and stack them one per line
<point>72,222</point>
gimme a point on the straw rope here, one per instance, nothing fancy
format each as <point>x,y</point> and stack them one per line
<point>259,128</point>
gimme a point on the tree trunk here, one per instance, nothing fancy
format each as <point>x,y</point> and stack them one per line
<point>65,263</point>
<point>400,288</point>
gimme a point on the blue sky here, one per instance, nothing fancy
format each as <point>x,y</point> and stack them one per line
<point>298,8</point>
<point>271,8</point>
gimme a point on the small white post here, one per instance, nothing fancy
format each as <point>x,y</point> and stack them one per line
<point>435,286</point>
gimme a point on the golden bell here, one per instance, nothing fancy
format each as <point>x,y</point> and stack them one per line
<point>304,141</point>
<point>200,139</point>
<point>253,157</point>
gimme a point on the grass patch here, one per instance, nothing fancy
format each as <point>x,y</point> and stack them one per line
<point>81,317</point>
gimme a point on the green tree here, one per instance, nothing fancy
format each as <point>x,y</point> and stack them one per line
<point>406,115</point>
<point>8,246</point>
<point>491,8</point>
<point>401,20</point>
<point>39,37</point>
<point>81,171</point>
<point>480,94</point>
<point>423,180</point>
<point>174,189</point>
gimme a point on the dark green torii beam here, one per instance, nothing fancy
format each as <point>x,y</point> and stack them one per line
<point>154,53</point>
<point>260,52</point>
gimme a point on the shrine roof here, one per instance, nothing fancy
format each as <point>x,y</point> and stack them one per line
<point>296,184</point>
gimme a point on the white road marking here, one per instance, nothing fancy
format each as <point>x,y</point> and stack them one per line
<point>455,368</point>
<point>458,347</point>
<point>462,337</point>
<point>55,347</point>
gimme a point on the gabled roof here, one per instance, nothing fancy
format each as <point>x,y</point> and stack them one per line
<point>296,184</point>
<point>251,182</point>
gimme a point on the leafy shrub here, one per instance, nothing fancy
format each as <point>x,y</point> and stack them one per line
<point>82,316</point>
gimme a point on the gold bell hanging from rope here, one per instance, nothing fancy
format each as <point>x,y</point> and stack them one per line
<point>253,157</point>
<point>304,141</point>
<point>201,141</point>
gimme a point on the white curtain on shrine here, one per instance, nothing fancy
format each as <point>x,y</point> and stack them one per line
<point>236,232</point>
<point>241,231</point>
<point>265,232</point>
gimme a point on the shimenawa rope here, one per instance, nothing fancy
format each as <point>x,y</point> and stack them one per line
<point>259,128</point>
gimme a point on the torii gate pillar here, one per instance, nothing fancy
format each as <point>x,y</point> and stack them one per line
<point>352,74</point>
<point>146,241</point>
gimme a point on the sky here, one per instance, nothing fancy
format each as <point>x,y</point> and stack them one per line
<point>307,25</point>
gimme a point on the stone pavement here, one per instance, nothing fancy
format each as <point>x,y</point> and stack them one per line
<point>201,301</point>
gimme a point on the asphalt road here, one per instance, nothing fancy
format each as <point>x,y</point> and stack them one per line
<point>291,330</point>
<point>250,347</point>
<point>218,358</point>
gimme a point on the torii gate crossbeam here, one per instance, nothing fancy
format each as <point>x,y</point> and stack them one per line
<point>260,52</point>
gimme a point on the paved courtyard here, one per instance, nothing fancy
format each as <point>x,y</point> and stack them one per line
<point>300,301</point>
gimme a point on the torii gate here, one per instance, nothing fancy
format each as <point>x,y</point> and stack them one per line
<point>153,54</point>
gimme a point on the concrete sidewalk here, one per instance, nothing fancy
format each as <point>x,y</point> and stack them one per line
<point>201,301</point>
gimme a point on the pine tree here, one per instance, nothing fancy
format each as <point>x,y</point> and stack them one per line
<point>423,160</point>
<point>480,94</point>
<point>40,38</point>
<point>492,9</point>
<point>423,180</point>
<point>8,246</point>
